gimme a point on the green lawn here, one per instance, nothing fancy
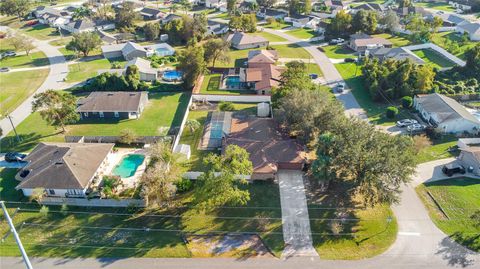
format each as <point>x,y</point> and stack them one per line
<point>277,25</point>
<point>61,42</point>
<point>163,112</point>
<point>5,45</point>
<point>41,31</point>
<point>302,33</point>
<point>315,69</point>
<point>35,59</point>
<point>237,59</point>
<point>338,52</point>
<point>434,58</point>
<point>458,198</point>
<point>291,51</point>
<point>438,150</point>
<point>18,86</point>
<point>87,69</point>
<point>397,41</point>
<point>435,5</point>
<point>453,43</point>
<point>270,37</point>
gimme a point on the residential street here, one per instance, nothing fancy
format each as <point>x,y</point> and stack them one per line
<point>58,72</point>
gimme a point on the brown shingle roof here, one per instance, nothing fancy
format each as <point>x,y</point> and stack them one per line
<point>111,102</point>
<point>63,165</point>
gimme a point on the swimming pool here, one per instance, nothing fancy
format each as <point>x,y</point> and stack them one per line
<point>172,75</point>
<point>128,165</point>
<point>232,82</point>
<point>162,52</point>
<point>216,130</point>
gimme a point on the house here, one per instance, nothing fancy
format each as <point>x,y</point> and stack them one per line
<point>472,29</point>
<point>128,51</point>
<point>51,16</point>
<point>147,73</point>
<point>216,28</point>
<point>257,57</point>
<point>451,19</point>
<point>445,114</point>
<point>85,25</point>
<point>170,17</point>
<point>276,14</point>
<point>240,40</point>
<point>261,74</point>
<point>398,54</point>
<point>298,20</point>
<point>248,6</point>
<point>218,4</point>
<point>137,5</point>
<point>405,11</point>
<point>107,38</point>
<point>464,5</point>
<point>151,14</point>
<point>64,169</point>
<point>361,42</point>
<point>470,159</point>
<point>269,150</point>
<point>335,5</point>
<point>119,105</point>
<point>370,7</point>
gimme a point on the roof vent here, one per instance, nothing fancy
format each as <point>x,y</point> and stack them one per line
<point>110,94</point>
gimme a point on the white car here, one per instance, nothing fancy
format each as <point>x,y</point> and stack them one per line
<point>406,122</point>
<point>416,127</point>
<point>9,54</point>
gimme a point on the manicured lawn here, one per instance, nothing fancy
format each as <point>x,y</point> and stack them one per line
<point>313,68</point>
<point>18,86</point>
<point>5,45</point>
<point>459,198</point>
<point>434,5</point>
<point>237,59</point>
<point>434,58</point>
<point>61,42</point>
<point>211,85</point>
<point>163,113</point>
<point>270,37</point>
<point>277,25</point>
<point>291,51</point>
<point>397,41</point>
<point>338,52</point>
<point>87,69</point>
<point>302,33</point>
<point>438,150</point>
<point>41,31</point>
<point>35,59</point>
<point>453,43</point>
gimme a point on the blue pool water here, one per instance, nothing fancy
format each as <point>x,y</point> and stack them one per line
<point>216,130</point>
<point>172,75</point>
<point>232,82</point>
<point>128,165</point>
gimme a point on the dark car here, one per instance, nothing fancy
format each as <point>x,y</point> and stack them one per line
<point>453,168</point>
<point>313,76</point>
<point>350,60</point>
<point>14,157</point>
<point>4,69</point>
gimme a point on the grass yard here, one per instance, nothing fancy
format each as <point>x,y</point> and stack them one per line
<point>313,68</point>
<point>302,33</point>
<point>35,59</point>
<point>277,25</point>
<point>397,41</point>
<point>86,69</point>
<point>163,113</point>
<point>338,52</point>
<point>5,45</point>
<point>14,88</point>
<point>270,37</point>
<point>41,31</point>
<point>291,51</point>
<point>435,5</point>
<point>433,58</point>
<point>438,150</point>
<point>453,43</point>
<point>459,198</point>
<point>63,41</point>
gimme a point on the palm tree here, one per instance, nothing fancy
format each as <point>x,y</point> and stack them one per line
<point>192,125</point>
<point>186,5</point>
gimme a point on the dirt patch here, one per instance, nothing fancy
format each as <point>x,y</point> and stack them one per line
<point>230,245</point>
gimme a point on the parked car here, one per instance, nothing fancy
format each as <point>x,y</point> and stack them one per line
<point>406,122</point>
<point>9,53</point>
<point>340,87</point>
<point>313,76</point>
<point>14,157</point>
<point>4,69</point>
<point>350,60</point>
<point>453,168</point>
<point>336,41</point>
<point>416,127</point>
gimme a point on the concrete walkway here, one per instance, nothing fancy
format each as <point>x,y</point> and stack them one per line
<point>295,221</point>
<point>58,72</point>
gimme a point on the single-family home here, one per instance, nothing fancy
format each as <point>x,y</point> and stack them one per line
<point>86,25</point>
<point>113,105</point>
<point>128,51</point>
<point>240,40</point>
<point>170,17</point>
<point>298,20</point>
<point>470,159</point>
<point>218,4</point>
<point>361,42</point>
<point>472,29</point>
<point>261,74</point>
<point>445,114</point>
<point>51,16</point>
<point>151,13</point>
<point>336,5</point>
<point>269,150</point>
<point>398,54</point>
<point>451,19</point>
<point>147,73</point>
<point>464,5</point>
<point>370,7</point>
<point>137,5</point>
<point>216,28</point>
<point>276,14</point>
<point>64,169</point>
<point>260,57</point>
<point>405,11</point>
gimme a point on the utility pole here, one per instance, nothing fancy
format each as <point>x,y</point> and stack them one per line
<point>17,238</point>
<point>13,126</point>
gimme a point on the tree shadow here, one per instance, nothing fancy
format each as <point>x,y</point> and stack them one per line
<point>8,184</point>
<point>27,141</point>
<point>455,254</point>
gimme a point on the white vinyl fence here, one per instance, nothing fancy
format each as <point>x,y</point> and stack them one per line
<point>93,202</point>
<point>438,49</point>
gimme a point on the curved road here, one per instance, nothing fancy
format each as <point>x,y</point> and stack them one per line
<point>58,72</point>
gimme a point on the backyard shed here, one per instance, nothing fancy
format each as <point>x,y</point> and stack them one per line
<point>263,110</point>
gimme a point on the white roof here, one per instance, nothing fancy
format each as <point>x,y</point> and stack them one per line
<point>143,65</point>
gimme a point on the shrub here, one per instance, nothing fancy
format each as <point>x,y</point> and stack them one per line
<point>391,112</point>
<point>184,185</point>
<point>116,65</point>
<point>226,106</point>
<point>127,136</point>
<point>270,20</point>
<point>407,102</point>
<point>44,211</point>
<point>421,142</point>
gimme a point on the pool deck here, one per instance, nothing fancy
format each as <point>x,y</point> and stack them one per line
<point>132,181</point>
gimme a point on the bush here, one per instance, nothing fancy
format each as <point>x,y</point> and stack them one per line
<point>184,185</point>
<point>226,106</point>
<point>116,65</point>
<point>407,102</point>
<point>391,112</point>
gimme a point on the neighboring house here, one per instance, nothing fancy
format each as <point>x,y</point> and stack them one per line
<point>219,4</point>
<point>470,159</point>
<point>147,73</point>
<point>64,169</point>
<point>128,51</point>
<point>151,13</point>
<point>398,54</point>
<point>119,105</point>
<point>445,114</point>
<point>261,74</point>
<point>451,19</point>
<point>240,40</point>
<point>269,150</point>
<point>314,23</point>
<point>137,5</point>
<point>216,28</point>
<point>472,29</point>
<point>369,7</point>
<point>107,38</point>
<point>361,42</point>
<point>266,13</point>
<point>170,17</point>
<point>298,20</point>
<point>336,5</point>
<point>85,25</point>
<point>464,5</point>
<point>51,16</point>
<point>405,11</point>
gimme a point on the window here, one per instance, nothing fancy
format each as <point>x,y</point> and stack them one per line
<point>85,114</point>
<point>116,114</point>
<point>51,192</point>
<point>101,114</point>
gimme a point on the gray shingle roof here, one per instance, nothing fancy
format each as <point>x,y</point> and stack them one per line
<point>445,107</point>
<point>111,102</point>
<point>239,38</point>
